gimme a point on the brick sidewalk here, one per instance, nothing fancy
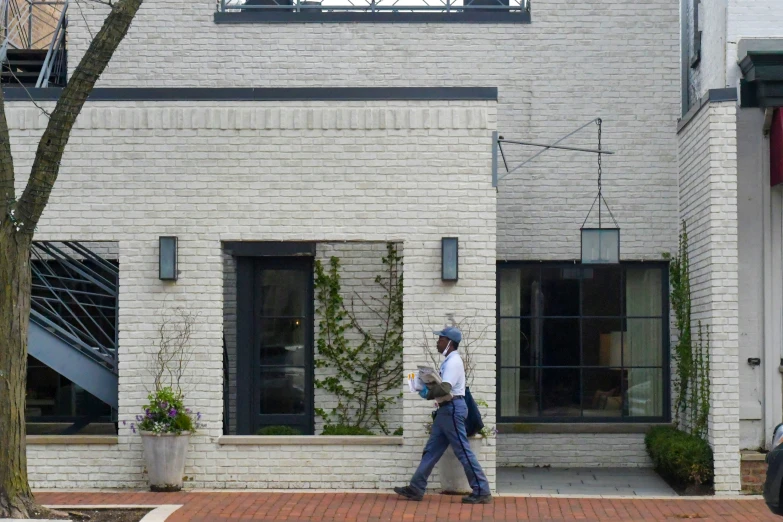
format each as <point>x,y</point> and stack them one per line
<point>369,507</point>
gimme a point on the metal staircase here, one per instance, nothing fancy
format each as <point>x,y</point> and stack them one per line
<point>73,316</point>
<point>33,51</point>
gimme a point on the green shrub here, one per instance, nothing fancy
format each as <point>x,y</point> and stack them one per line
<point>679,457</point>
<point>341,429</point>
<point>278,430</point>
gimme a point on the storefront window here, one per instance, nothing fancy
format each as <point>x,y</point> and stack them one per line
<point>582,343</point>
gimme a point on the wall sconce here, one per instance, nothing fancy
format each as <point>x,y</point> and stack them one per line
<point>600,245</point>
<point>167,258</point>
<point>449,258</point>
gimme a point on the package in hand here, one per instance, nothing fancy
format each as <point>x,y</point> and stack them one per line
<point>425,376</point>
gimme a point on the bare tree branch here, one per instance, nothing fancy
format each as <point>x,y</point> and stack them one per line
<point>51,148</point>
<point>7,194</point>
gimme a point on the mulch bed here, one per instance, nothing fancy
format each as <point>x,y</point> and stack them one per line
<point>98,515</point>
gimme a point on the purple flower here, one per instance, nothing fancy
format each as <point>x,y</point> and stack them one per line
<point>149,414</point>
<point>172,412</point>
<point>139,418</point>
<point>133,428</point>
<point>188,410</point>
<point>198,416</point>
<point>164,405</point>
<point>123,423</point>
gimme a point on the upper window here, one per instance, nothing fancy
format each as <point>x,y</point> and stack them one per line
<point>468,11</point>
<point>582,343</point>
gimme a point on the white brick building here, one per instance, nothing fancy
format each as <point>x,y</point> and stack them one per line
<point>224,130</point>
<point>730,144</point>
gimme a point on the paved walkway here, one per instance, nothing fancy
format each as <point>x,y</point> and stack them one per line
<point>633,482</point>
<point>372,507</point>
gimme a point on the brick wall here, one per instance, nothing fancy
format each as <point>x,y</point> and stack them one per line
<point>209,173</point>
<point>572,450</point>
<point>553,75</point>
<point>708,203</point>
<point>754,473</point>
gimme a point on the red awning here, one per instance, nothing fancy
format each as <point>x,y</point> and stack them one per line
<point>776,149</point>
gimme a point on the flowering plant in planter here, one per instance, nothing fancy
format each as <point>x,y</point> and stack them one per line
<point>166,425</point>
<point>166,413</point>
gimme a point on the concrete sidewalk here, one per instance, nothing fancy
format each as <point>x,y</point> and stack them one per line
<point>372,507</point>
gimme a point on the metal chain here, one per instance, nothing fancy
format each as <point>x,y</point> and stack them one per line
<point>599,121</point>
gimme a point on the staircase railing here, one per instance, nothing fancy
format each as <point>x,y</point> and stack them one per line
<point>35,24</point>
<point>74,296</point>
<point>56,54</point>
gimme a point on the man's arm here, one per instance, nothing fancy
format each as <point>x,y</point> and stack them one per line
<point>438,390</point>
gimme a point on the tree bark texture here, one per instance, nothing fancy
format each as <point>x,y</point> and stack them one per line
<point>16,233</point>
<point>15,497</point>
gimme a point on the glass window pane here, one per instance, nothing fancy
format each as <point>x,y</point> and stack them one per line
<point>602,394</point>
<point>560,342</point>
<point>282,342</point>
<point>602,342</point>
<point>643,292</point>
<point>643,343</point>
<point>560,291</point>
<point>282,391</point>
<point>519,392</point>
<point>516,343</point>
<point>560,393</point>
<point>519,287</point>
<point>282,293</point>
<point>644,397</point>
<point>602,291</point>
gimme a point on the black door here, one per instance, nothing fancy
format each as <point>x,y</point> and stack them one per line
<point>275,343</point>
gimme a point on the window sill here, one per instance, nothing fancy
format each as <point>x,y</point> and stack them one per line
<point>753,456</point>
<point>578,428</point>
<point>308,440</point>
<point>382,17</point>
<point>72,440</point>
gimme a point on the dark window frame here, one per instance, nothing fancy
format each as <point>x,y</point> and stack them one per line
<point>290,14</point>
<point>665,356</point>
<point>248,419</point>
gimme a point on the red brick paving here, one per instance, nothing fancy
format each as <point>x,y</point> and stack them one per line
<point>368,507</point>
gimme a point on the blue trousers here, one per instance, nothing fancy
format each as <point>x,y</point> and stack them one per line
<point>448,428</point>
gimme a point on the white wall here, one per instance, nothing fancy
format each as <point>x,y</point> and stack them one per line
<point>750,19</point>
<point>576,61</point>
<point>752,195</point>
<point>708,203</point>
<point>304,171</point>
<point>592,450</point>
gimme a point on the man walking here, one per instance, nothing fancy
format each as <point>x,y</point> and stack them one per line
<point>448,426</point>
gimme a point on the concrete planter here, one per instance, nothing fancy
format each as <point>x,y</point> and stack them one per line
<point>451,472</point>
<point>164,456</point>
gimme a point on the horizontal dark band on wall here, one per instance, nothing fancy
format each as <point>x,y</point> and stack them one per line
<point>476,17</point>
<point>577,428</point>
<point>270,248</point>
<point>728,94</point>
<point>266,94</point>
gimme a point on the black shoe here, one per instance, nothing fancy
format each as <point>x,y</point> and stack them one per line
<point>409,493</point>
<point>477,499</point>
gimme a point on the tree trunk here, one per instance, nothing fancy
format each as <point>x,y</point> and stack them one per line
<point>16,500</point>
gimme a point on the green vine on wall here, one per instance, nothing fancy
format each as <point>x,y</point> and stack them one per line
<point>365,372</point>
<point>690,384</point>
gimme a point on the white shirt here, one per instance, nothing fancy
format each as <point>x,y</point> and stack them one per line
<point>452,371</point>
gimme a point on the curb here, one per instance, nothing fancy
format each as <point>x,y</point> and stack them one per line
<point>161,513</point>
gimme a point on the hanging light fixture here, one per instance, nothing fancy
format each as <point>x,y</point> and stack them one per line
<point>600,245</point>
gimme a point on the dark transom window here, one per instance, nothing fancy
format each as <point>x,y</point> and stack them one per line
<point>582,343</point>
